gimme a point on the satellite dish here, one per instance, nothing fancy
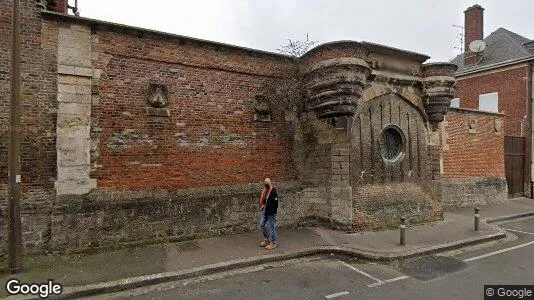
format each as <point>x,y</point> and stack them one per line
<point>477,45</point>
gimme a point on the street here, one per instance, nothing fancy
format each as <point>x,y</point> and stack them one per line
<point>458,274</point>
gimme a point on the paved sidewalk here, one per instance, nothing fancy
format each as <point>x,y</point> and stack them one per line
<point>107,271</point>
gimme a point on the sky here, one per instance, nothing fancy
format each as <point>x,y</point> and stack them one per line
<point>416,25</point>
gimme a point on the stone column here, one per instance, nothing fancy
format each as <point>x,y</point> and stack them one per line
<point>74,110</point>
<point>340,190</point>
<point>438,90</point>
<point>334,78</point>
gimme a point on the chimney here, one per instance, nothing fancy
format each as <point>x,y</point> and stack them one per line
<point>474,30</point>
<point>59,6</point>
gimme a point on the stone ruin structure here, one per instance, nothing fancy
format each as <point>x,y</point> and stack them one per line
<point>136,136</point>
<point>382,161</point>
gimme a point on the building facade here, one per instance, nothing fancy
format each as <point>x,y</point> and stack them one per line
<point>498,78</point>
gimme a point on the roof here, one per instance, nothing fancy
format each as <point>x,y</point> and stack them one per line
<point>501,45</point>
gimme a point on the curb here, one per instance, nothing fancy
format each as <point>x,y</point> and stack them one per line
<point>140,281</point>
<point>509,217</point>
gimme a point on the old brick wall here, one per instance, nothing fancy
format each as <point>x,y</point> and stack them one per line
<point>472,158</point>
<point>210,137</point>
<point>513,86</point>
<point>195,172</point>
<point>38,117</point>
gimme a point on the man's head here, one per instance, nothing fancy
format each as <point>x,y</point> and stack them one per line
<point>267,182</point>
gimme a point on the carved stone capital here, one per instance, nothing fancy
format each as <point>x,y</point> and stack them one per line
<point>438,89</point>
<point>333,86</point>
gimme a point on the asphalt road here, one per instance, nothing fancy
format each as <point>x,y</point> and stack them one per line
<point>459,274</point>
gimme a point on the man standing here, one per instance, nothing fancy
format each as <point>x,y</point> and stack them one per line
<point>269,205</point>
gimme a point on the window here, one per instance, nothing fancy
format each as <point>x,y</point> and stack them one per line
<point>455,102</point>
<point>391,143</point>
<point>489,102</point>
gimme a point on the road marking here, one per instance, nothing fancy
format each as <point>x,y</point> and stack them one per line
<point>378,281</point>
<point>387,281</point>
<point>396,278</point>
<point>498,252</point>
<point>515,230</point>
<point>331,296</point>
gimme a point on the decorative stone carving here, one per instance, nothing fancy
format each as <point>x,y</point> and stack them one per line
<point>472,125</point>
<point>438,90</point>
<point>158,95</point>
<point>158,98</point>
<point>333,86</point>
<point>262,108</point>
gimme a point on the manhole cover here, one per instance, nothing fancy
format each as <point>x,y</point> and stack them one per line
<point>430,267</point>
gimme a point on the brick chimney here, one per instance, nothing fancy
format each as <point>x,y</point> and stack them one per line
<point>474,30</point>
<point>59,6</point>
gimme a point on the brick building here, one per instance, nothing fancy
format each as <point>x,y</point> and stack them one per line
<point>134,136</point>
<point>497,77</point>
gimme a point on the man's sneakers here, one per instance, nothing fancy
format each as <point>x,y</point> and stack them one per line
<point>271,246</point>
<point>264,243</point>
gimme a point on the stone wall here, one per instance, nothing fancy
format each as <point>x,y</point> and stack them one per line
<point>472,158</point>
<point>113,219</point>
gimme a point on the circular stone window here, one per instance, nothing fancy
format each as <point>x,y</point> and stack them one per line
<point>391,143</point>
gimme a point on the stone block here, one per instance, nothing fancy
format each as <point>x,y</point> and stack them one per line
<point>74,108</point>
<point>74,98</point>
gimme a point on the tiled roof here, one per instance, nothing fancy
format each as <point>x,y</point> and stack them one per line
<point>501,45</point>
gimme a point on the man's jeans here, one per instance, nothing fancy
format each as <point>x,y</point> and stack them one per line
<point>268,227</point>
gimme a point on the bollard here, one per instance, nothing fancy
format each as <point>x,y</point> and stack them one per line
<point>402,231</point>
<point>477,218</point>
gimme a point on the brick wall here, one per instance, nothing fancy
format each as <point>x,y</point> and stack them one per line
<point>210,137</point>
<point>514,93</point>
<point>472,158</point>
<point>38,117</point>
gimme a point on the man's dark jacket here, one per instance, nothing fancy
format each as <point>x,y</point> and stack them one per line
<point>272,203</point>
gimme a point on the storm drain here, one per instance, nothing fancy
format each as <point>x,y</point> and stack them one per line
<point>430,267</point>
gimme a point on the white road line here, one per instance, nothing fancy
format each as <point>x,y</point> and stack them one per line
<point>515,230</point>
<point>336,295</point>
<point>498,252</point>
<point>378,281</point>
<point>396,278</point>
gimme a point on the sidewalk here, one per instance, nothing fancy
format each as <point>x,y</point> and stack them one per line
<point>125,268</point>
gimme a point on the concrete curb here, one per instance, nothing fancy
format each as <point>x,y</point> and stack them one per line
<point>140,281</point>
<point>509,217</point>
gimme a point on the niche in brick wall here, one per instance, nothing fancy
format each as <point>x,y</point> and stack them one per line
<point>262,108</point>
<point>158,98</point>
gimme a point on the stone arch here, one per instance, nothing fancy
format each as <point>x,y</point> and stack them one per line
<point>370,120</point>
<point>376,90</point>
<point>382,189</point>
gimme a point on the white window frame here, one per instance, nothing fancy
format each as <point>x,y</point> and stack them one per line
<point>455,100</point>
<point>485,99</point>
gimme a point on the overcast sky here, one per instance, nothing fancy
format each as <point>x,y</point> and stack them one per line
<point>416,25</point>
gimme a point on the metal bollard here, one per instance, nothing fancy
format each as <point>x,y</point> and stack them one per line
<point>402,231</point>
<point>477,218</point>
